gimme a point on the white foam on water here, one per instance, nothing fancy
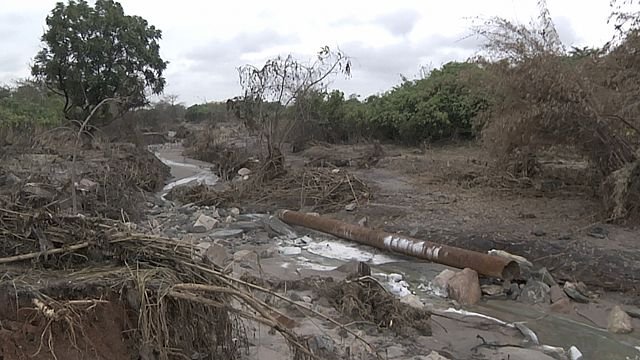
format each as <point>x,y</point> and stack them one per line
<point>347,252</point>
<point>471,313</point>
<point>205,178</point>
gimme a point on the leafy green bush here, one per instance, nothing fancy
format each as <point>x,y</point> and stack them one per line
<point>29,103</point>
<point>442,105</point>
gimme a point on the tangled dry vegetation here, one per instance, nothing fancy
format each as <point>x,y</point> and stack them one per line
<point>82,264</point>
<point>321,189</point>
<point>364,299</point>
<point>546,96</point>
<point>110,182</point>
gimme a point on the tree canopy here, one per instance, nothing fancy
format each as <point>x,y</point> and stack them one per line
<point>93,53</point>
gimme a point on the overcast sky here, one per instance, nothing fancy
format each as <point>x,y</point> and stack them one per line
<point>205,41</point>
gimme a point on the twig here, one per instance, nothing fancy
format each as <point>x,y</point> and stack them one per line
<point>34,255</point>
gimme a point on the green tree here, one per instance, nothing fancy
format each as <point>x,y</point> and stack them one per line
<point>90,54</point>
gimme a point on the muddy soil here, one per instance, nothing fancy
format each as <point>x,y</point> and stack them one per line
<point>452,195</point>
<point>96,331</point>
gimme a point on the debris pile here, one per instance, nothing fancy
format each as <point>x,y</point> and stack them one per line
<point>322,189</point>
<point>85,266</point>
<point>109,183</point>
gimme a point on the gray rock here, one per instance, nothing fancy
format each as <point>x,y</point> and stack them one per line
<point>492,290</point>
<point>225,233</point>
<point>350,207</point>
<point>244,172</point>
<point>619,322</point>
<point>598,232</point>
<point>234,211</point>
<point>513,353</point>
<point>440,284</point>
<point>364,221</point>
<point>574,294</point>
<point>186,209</point>
<point>412,301</point>
<point>207,222</point>
<point>535,292</point>
<point>246,225</point>
<point>539,232</point>
<point>556,293</point>
<point>355,269</point>
<point>464,287</point>
<point>9,179</point>
<point>322,346</point>
<point>275,225</point>
<point>217,255</point>
<point>514,291</point>
<point>434,355</point>
<point>545,276</point>
<point>196,229</point>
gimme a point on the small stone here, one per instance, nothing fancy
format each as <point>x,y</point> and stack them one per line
<point>363,222</point>
<point>350,207</point>
<point>268,253</point>
<point>197,229</point>
<point>492,290</point>
<point>440,284</point>
<point>464,287</point>
<point>245,178</point>
<point>412,301</point>
<point>289,250</point>
<point>556,293</point>
<point>598,232</point>
<point>562,306</point>
<point>87,185</point>
<point>206,221</point>
<point>225,233</point>
<point>545,276</point>
<point>514,291</point>
<point>244,172</point>
<point>517,258</point>
<point>322,346</point>
<point>619,322</point>
<point>307,299</point>
<point>434,355</point>
<point>234,211</point>
<point>217,255</point>
<point>571,291</point>
<point>355,269</point>
<point>535,292</point>
<point>575,354</point>
<point>539,232</point>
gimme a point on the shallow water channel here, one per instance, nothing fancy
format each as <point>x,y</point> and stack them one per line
<point>403,275</point>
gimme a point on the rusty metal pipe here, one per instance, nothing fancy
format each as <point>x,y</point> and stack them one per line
<point>488,265</point>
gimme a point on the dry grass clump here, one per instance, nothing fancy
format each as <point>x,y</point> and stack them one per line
<point>319,188</point>
<point>111,183</point>
<point>214,146</point>
<point>546,96</point>
<point>366,300</point>
<point>182,307</point>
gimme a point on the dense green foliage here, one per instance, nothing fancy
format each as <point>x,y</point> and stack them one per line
<point>442,105</point>
<point>29,103</point>
<point>93,53</point>
<point>209,112</point>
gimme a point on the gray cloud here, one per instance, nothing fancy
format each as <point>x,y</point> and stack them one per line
<point>224,53</point>
<point>565,30</point>
<point>399,23</point>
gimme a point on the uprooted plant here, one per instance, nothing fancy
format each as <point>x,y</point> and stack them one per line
<point>584,99</point>
<point>279,84</point>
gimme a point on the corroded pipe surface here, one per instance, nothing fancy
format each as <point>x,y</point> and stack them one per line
<point>484,264</point>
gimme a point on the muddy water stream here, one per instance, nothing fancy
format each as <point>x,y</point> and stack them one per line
<point>323,253</point>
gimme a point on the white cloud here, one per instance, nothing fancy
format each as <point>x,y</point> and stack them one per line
<point>206,41</point>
